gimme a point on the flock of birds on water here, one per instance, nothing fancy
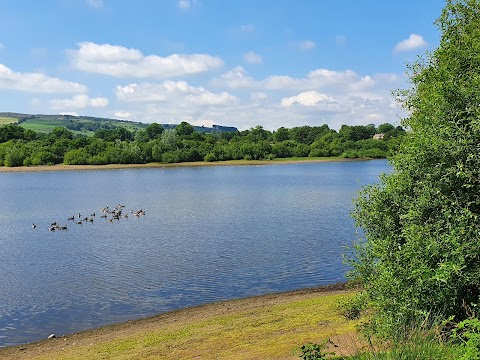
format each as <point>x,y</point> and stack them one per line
<point>110,215</point>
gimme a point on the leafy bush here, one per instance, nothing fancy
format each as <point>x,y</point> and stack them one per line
<point>468,332</point>
<point>210,157</point>
<point>316,351</point>
<point>14,156</point>
<point>421,249</point>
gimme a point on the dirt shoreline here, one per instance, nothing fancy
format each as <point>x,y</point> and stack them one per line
<point>54,348</point>
<point>62,167</point>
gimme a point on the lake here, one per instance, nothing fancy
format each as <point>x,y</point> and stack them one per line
<point>208,234</point>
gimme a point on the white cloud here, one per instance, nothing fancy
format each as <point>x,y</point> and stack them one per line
<point>36,83</point>
<point>119,61</point>
<point>308,98</point>
<point>209,98</point>
<point>316,79</point>
<point>79,102</point>
<point>173,92</point>
<point>345,82</point>
<point>252,58</point>
<point>235,79</point>
<point>122,114</point>
<point>97,4</point>
<point>277,82</point>
<point>258,96</point>
<point>307,45</point>
<point>413,42</point>
<point>71,113</point>
<point>325,77</point>
<point>1,46</point>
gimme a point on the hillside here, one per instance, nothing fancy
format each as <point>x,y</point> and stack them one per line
<point>86,125</point>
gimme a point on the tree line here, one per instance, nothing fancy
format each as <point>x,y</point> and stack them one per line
<point>22,147</point>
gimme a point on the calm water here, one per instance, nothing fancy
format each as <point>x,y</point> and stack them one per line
<point>209,234</point>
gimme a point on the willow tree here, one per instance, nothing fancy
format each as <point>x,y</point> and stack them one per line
<point>420,253</point>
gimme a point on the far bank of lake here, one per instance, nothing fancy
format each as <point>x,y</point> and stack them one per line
<point>208,234</point>
<point>62,167</point>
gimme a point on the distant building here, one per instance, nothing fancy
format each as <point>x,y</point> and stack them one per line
<point>378,136</point>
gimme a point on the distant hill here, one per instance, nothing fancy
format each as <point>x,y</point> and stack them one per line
<point>86,125</point>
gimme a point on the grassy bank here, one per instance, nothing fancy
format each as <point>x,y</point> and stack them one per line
<point>264,327</point>
<point>60,167</point>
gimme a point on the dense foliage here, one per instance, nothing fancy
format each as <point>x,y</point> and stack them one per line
<point>421,249</point>
<point>20,147</point>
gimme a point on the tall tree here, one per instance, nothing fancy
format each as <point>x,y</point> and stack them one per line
<point>184,129</point>
<point>421,248</point>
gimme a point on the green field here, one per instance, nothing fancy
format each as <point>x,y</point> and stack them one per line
<point>5,120</point>
<point>42,125</point>
<point>85,125</point>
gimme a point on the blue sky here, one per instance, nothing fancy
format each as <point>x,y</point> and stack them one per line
<point>229,62</point>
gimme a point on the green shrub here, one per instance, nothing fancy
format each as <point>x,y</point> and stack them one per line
<point>420,254</point>
<point>468,333</point>
<point>210,157</point>
<point>316,351</point>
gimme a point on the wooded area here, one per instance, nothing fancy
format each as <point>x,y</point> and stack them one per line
<point>21,147</point>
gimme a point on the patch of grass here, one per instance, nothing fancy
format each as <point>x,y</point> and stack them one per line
<point>46,126</point>
<point>426,349</point>
<point>268,331</point>
<point>7,120</point>
<point>423,338</point>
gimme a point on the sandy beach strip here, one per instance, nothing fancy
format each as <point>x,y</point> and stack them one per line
<point>62,167</point>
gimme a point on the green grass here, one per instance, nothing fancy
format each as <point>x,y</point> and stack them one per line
<point>425,349</point>
<point>425,338</point>
<point>46,125</point>
<point>271,333</point>
<point>7,120</point>
<point>42,125</point>
<point>266,330</point>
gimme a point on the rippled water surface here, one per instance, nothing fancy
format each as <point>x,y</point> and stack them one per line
<point>209,234</point>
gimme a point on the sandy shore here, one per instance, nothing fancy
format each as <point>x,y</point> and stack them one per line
<point>261,327</point>
<point>61,167</point>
